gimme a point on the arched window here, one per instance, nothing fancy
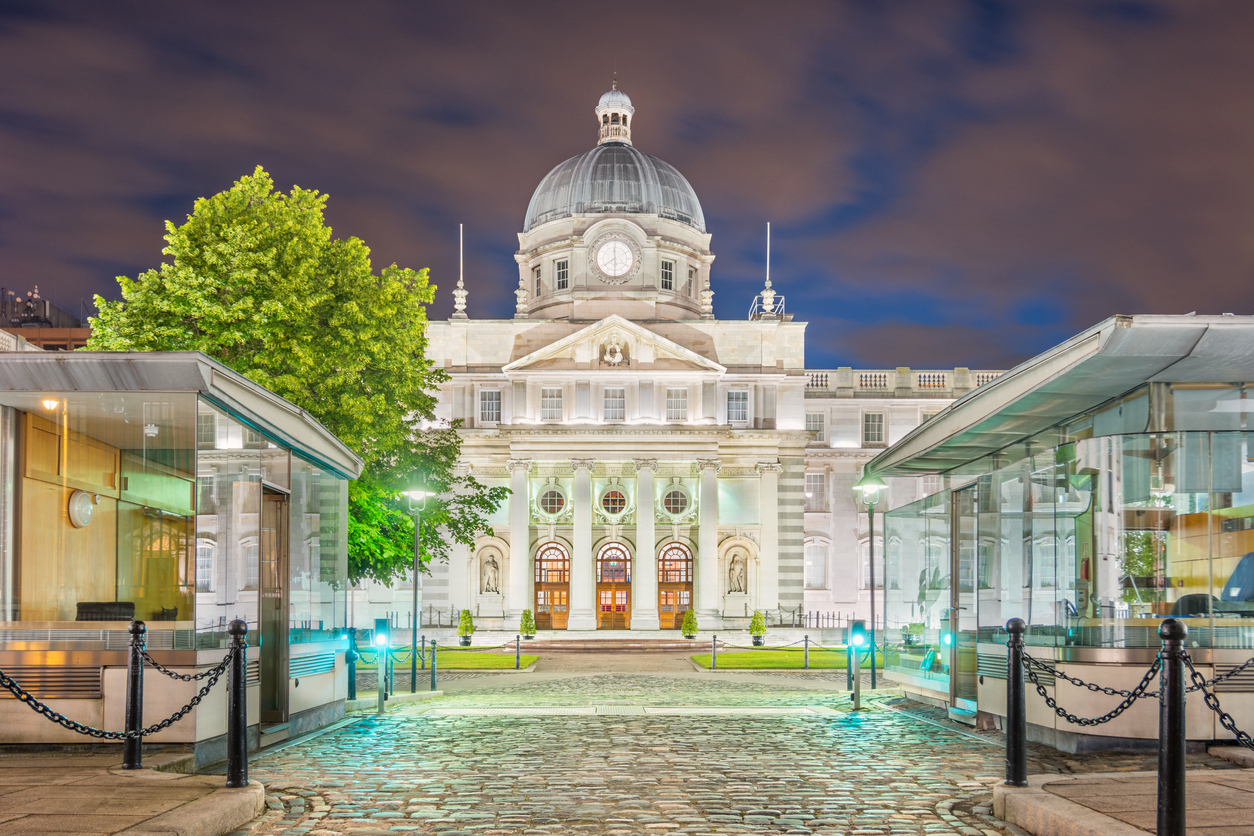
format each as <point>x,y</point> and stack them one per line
<point>613,564</point>
<point>816,566</point>
<point>552,564</point>
<point>252,562</point>
<point>675,564</point>
<point>879,564</point>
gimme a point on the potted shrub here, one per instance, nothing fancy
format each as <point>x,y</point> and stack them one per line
<point>757,628</point>
<point>465,628</point>
<point>689,626</point>
<point>527,626</point>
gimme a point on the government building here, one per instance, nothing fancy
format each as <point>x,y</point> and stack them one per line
<point>660,459</point>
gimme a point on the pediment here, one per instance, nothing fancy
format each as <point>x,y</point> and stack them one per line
<point>615,344</point>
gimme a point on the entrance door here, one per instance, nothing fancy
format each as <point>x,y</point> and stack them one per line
<point>272,570</point>
<point>613,588</point>
<point>963,624</point>
<point>674,586</point>
<point>552,587</point>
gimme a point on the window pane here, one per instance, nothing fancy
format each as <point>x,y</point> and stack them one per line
<point>561,274</point>
<point>490,407</point>
<point>816,492</point>
<point>814,424</point>
<point>550,404</point>
<point>816,566</point>
<point>873,428</point>
<point>737,407</point>
<point>668,275</point>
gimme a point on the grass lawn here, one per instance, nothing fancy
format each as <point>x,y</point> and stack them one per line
<point>461,660</point>
<point>781,659</point>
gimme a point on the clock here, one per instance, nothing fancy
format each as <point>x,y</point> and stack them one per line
<point>615,258</point>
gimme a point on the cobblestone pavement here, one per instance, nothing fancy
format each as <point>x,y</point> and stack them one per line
<point>419,770</point>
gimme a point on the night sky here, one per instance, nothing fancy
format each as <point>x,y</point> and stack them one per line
<point>948,183</point>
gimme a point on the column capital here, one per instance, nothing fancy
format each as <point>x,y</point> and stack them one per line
<point>770,467</point>
<point>710,464</point>
<point>582,464</point>
<point>519,464</point>
<point>645,464</point>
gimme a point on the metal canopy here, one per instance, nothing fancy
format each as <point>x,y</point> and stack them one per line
<point>1104,362</point>
<point>178,371</point>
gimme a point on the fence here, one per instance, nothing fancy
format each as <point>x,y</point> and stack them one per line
<point>235,665</point>
<point>1171,664</point>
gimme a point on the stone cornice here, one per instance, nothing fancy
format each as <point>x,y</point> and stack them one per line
<point>645,464</point>
<point>583,464</point>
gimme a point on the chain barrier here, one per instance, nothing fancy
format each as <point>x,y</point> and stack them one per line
<point>186,677</point>
<point>1029,662</point>
<point>61,720</point>
<point>1029,665</point>
<point>1225,719</point>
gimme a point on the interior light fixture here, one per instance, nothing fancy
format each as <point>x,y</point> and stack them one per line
<point>51,403</point>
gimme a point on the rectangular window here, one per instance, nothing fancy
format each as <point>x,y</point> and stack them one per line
<point>816,566</point>
<point>738,408</point>
<point>816,492</point>
<point>692,280</point>
<point>866,566</point>
<point>204,566</point>
<point>676,404</point>
<point>615,405</point>
<point>814,424</point>
<point>561,274</point>
<point>550,404</point>
<point>206,428</point>
<point>535,274</point>
<point>668,275</point>
<point>872,428</point>
<point>490,406</point>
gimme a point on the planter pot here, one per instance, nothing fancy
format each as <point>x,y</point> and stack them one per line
<point>528,638</point>
<point>693,636</point>
<point>464,641</point>
<point>759,641</point>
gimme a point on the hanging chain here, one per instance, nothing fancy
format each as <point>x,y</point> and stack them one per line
<point>1225,719</point>
<point>1129,696</point>
<point>186,677</point>
<point>61,720</point>
<point>1114,692</point>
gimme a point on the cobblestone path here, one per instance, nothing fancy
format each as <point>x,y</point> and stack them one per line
<point>421,770</point>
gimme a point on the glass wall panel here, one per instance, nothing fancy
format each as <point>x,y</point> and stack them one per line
<point>319,555</point>
<point>917,612</point>
<point>228,511</point>
<point>98,510</point>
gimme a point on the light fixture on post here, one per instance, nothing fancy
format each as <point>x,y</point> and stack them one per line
<point>869,489</point>
<point>417,497</point>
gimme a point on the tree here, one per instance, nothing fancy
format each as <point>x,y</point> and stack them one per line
<point>257,282</point>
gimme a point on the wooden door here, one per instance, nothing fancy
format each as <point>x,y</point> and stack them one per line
<point>674,584</point>
<point>613,588</point>
<point>552,579</point>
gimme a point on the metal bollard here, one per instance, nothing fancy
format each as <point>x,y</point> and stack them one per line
<point>857,681</point>
<point>807,657</point>
<point>350,659</point>
<point>518,652</point>
<point>714,653</point>
<point>848,666</point>
<point>133,747</point>
<point>423,658</point>
<point>1172,741</point>
<point>433,664</point>
<point>237,707</point>
<point>1016,707</point>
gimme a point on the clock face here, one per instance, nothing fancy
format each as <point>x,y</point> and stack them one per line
<point>615,258</point>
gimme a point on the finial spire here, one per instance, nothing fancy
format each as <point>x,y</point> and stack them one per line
<point>459,295</point>
<point>768,295</point>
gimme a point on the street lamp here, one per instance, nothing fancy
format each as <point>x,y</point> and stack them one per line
<point>417,497</point>
<point>868,489</point>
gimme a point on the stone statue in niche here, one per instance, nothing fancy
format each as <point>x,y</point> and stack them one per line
<point>491,575</point>
<point>614,353</point>
<point>736,576</point>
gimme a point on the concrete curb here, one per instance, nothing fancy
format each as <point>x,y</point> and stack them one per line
<point>1042,813</point>
<point>372,704</point>
<point>1239,755</point>
<point>218,813</point>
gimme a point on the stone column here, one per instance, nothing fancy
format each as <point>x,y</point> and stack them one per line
<point>644,577</point>
<point>519,543</point>
<point>708,612</point>
<point>582,588</point>
<point>768,552</point>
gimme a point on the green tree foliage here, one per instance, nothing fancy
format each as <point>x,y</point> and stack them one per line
<point>689,625</point>
<point>256,281</point>
<point>465,624</point>
<point>757,625</point>
<point>527,624</point>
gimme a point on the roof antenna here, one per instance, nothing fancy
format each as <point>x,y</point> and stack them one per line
<point>459,295</point>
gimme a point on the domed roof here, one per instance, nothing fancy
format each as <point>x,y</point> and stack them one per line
<point>612,178</point>
<point>614,98</point>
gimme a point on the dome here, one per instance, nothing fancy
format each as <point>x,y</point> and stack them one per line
<point>614,98</point>
<point>613,178</point>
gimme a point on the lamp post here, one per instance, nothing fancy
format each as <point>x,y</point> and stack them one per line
<point>417,503</point>
<point>868,488</point>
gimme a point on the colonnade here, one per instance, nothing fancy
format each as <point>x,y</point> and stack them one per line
<point>644,598</point>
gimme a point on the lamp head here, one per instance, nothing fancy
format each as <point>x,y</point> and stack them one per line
<point>417,496</point>
<point>869,488</point>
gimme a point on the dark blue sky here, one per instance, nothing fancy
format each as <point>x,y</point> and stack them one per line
<point>949,183</point>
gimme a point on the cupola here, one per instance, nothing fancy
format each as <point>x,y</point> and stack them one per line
<point>614,115</point>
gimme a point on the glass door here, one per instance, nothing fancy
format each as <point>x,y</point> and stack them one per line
<point>273,570</point>
<point>962,630</point>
